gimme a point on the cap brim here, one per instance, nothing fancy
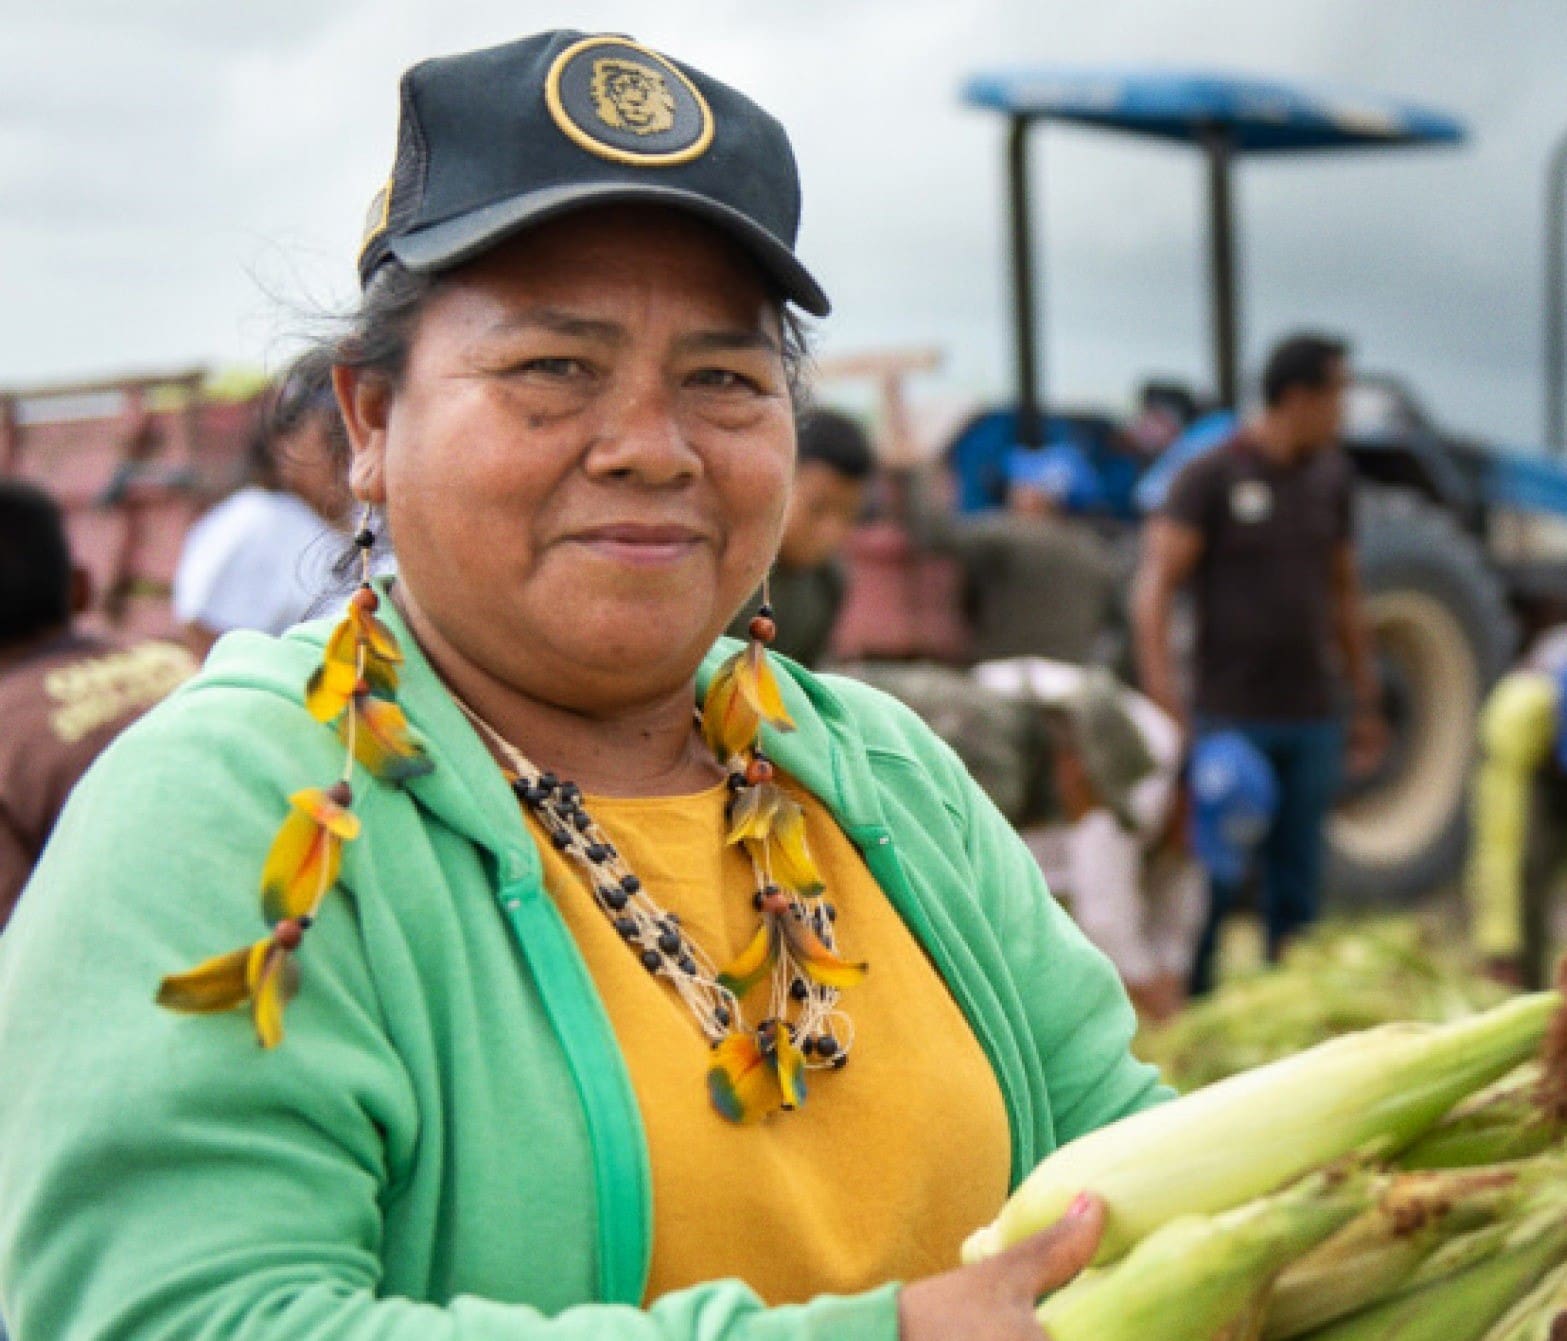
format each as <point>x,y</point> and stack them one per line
<point>442,245</point>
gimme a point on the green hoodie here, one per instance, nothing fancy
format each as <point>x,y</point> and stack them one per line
<point>446,1146</point>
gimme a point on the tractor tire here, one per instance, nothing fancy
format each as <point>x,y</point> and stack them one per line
<point>1443,634</point>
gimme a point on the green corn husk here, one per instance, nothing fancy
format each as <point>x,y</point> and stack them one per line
<point>1200,1275</point>
<point>1247,1324</point>
<point>1465,1305</point>
<point>1384,1251</point>
<point>1513,1119</point>
<point>1372,1092</point>
<point>1459,1254</point>
<point>1541,1315</point>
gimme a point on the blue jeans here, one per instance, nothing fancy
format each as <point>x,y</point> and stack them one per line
<point>1307,757</point>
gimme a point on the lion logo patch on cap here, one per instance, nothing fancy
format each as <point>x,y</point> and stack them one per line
<point>632,96</point>
<point>627,103</point>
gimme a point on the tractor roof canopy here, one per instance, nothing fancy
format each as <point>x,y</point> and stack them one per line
<point>1223,116</point>
<point>1255,115</point>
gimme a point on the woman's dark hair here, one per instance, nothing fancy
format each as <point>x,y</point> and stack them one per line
<point>35,563</point>
<point>375,337</point>
<point>1300,360</point>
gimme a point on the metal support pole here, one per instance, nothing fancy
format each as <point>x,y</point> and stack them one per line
<point>10,437</point>
<point>1221,231</point>
<point>1555,300</point>
<point>1030,428</point>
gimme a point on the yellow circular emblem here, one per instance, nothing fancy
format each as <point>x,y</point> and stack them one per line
<point>627,103</point>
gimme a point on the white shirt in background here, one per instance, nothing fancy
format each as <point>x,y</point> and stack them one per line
<point>259,560</point>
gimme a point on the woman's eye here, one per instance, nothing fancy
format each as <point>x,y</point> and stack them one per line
<point>554,367</point>
<point>723,379</point>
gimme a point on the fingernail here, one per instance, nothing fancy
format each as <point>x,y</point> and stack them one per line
<point>1082,1203</point>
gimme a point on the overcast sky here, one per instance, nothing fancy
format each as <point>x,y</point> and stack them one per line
<point>181,179</point>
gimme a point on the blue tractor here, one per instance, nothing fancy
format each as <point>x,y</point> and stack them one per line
<point>1452,533</point>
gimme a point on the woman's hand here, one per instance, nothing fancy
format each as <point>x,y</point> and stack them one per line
<point>995,1300</point>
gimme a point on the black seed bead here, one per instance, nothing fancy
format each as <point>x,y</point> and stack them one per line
<point>688,966</point>
<point>652,961</point>
<point>630,884</point>
<point>599,852</point>
<point>521,787</point>
<point>722,1015</point>
<point>736,781</point>
<point>827,1045</point>
<point>808,1047</point>
<point>756,900</point>
<point>840,1061</point>
<point>764,611</point>
<point>626,926</point>
<point>534,795</point>
<point>548,781</point>
<point>570,793</point>
<point>669,943</point>
<point>365,538</point>
<point>832,911</point>
<point>613,897</point>
<point>671,922</point>
<point>799,989</point>
<point>581,819</point>
<point>305,922</point>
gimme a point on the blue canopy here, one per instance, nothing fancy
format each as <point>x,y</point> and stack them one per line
<point>1260,115</point>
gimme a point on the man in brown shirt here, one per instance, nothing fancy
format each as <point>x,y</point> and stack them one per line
<point>1260,531</point>
<point>63,695</point>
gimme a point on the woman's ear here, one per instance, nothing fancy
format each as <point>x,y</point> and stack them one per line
<point>365,398</point>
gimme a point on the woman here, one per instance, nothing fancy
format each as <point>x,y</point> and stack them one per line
<point>260,558</point>
<point>538,1076</point>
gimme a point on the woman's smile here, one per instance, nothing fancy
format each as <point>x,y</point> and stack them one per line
<point>640,544</point>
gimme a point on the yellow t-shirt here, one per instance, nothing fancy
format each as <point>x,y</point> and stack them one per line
<point>892,1160</point>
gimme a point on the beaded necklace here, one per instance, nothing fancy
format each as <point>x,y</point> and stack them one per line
<point>755,1070</point>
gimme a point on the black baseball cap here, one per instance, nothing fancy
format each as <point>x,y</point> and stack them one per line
<point>492,142</point>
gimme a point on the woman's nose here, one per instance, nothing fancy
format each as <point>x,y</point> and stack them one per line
<point>641,438</point>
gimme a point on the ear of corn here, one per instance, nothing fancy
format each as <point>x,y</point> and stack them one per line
<point>1337,978</point>
<point>1504,1122</point>
<point>1200,1275</point>
<point>1465,1305</point>
<point>1382,1252</point>
<point>1372,1092</point>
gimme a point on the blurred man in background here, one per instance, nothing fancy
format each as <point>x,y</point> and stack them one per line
<point>1260,529</point>
<point>833,465</point>
<point>64,695</point>
<point>263,558</point>
<point>1037,581</point>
